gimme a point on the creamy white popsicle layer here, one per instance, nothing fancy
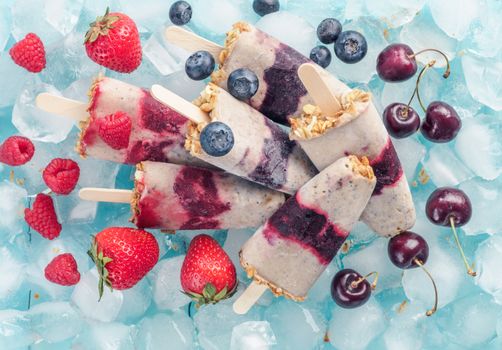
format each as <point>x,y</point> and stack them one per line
<point>262,151</point>
<point>358,129</point>
<point>157,133</point>
<point>294,246</point>
<point>178,197</point>
<point>280,93</point>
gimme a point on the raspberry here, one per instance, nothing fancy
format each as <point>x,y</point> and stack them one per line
<point>61,175</point>
<point>42,217</point>
<point>115,130</point>
<point>63,270</point>
<point>29,53</point>
<point>16,150</point>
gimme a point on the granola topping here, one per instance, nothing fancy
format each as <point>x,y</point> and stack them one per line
<point>313,123</point>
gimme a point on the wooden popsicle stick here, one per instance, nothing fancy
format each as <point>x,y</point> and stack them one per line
<point>62,106</point>
<point>313,78</point>
<point>250,296</point>
<point>191,42</point>
<point>179,104</point>
<point>110,195</point>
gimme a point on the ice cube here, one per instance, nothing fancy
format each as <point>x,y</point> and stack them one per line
<point>315,14</point>
<point>55,321</point>
<point>96,173</point>
<point>295,326</point>
<point>454,17</point>
<point>25,21</point>
<point>485,31</point>
<point>12,272</point>
<point>394,13</point>
<point>167,291</point>
<point>216,17</point>
<point>215,323</point>
<point>160,57</point>
<point>63,15</point>
<point>411,152</point>
<point>320,291</point>
<point>15,76</point>
<point>78,89</point>
<point>364,70</point>
<point>475,319</point>
<point>354,9</point>
<point>279,24</point>
<point>5,25</point>
<point>253,335</point>
<point>488,265</point>
<point>483,76</point>
<point>422,34</point>
<point>354,329</point>
<point>71,209</point>
<point>136,301</point>
<point>175,329</point>
<point>67,61</point>
<point>85,296</point>
<point>149,14</point>
<point>12,218</point>
<point>105,336</point>
<point>375,258</point>
<point>183,86</point>
<point>447,272</point>
<point>34,123</point>
<point>406,331</point>
<point>401,92</point>
<point>484,156</point>
<point>15,330</point>
<point>444,168</point>
<point>486,201</point>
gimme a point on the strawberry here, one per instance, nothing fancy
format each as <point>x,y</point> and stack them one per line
<point>16,150</point>
<point>63,270</point>
<point>123,256</point>
<point>29,53</point>
<point>42,217</point>
<point>61,175</point>
<point>115,129</point>
<point>207,273</point>
<point>113,42</point>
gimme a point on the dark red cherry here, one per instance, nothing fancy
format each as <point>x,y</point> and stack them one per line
<point>396,63</point>
<point>445,203</point>
<point>406,248</point>
<point>349,289</point>
<point>400,120</point>
<point>441,123</point>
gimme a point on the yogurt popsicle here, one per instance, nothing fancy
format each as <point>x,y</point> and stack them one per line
<point>294,246</point>
<point>280,93</point>
<point>179,197</point>
<point>157,132</point>
<point>358,129</point>
<point>262,151</point>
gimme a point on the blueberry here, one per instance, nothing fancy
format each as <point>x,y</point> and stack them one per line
<point>264,7</point>
<point>200,65</point>
<point>217,139</point>
<point>351,46</point>
<point>329,30</point>
<point>180,13</point>
<point>242,83</point>
<point>321,55</point>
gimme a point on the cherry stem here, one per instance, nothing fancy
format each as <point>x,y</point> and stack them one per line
<point>417,91</point>
<point>435,307</point>
<point>355,283</point>
<point>470,271</point>
<point>446,73</point>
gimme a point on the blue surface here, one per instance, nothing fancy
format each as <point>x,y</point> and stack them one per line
<point>470,314</point>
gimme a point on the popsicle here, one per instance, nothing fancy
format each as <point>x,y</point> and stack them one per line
<point>262,151</point>
<point>156,133</point>
<point>280,93</point>
<point>352,125</point>
<point>178,197</point>
<point>289,252</point>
